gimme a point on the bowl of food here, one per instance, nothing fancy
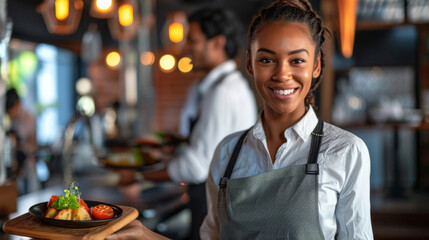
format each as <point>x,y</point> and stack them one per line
<point>134,157</point>
<point>71,211</point>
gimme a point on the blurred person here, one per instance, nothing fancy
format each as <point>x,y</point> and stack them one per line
<point>22,122</point>
<point>23,131</point>
<point>290,176</point>
<point>220,104</point>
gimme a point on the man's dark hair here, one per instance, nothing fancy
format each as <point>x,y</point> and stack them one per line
<point>11,98</point>
<point>216,21</point>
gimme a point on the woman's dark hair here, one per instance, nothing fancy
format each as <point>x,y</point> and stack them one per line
<point>219,21</point>
<point>293,11</point>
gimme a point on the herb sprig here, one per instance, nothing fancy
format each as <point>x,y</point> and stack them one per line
<point>70,198</point>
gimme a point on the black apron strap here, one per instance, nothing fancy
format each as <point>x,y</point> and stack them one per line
<point>316,138</point>
<point>232,160</point>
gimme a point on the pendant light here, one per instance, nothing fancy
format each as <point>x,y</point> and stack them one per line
<point>61,16</point>
<point>347,20</point>
<point>124,24</point>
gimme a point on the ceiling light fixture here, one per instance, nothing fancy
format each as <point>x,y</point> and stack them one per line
<point>61,16</point>
<point>102,8</point>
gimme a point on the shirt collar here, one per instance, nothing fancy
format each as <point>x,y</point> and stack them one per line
<point>215,73</point>
<point>302,128</point>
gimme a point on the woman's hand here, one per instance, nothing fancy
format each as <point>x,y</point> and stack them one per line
<point>135,231</point>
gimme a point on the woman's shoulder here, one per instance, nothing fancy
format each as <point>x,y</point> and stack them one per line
<point>231,140</point>
<point>339,138</point>
<point>224,151</point>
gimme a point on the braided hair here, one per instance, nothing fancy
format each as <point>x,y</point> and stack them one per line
<point>293,11</point>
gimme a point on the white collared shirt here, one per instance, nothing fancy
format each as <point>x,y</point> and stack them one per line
<point>225,108</point>
<point>344,170</point>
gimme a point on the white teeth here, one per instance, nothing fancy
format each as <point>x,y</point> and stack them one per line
<point>284,92</point>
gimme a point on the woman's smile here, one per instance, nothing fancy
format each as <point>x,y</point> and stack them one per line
<point>284,93</point>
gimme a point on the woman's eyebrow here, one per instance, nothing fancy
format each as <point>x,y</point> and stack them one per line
<point>266,50</point>
<point>298,51</point>
<point>290,53</point>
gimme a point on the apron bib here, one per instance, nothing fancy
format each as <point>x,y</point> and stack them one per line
<point>280,204</point>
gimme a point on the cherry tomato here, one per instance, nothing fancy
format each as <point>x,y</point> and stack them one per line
<point>101,212</point>
<point>83,203</point>
<point>52,200</point>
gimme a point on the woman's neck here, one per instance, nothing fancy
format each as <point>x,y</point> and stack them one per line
<point>274,126</point>
<point>276,123</point>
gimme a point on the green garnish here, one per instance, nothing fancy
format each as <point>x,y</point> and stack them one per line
<point>70,198</point>
<point>137,155</point>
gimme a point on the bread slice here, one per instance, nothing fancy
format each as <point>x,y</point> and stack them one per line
<point>65,214</point>
<point>51,212</point>
<point>81,214</point>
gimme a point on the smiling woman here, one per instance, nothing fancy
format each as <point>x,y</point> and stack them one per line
<point>289,153</point>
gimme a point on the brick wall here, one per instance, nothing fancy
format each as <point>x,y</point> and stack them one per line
<point>171,92</point>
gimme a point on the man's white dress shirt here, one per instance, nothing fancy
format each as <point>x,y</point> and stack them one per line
<point>344,171</point>
<point>225,108</point>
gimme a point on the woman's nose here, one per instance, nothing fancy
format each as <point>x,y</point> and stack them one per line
<point>283,72</point>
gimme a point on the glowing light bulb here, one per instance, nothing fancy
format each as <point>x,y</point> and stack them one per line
<point>175,32</point>
<point>113,59</point>
<point>103,5</point>
<point>62,9</point>
<point>185,64</point>
<point>147,58</point>
<point>167,63</point>
<point>125,13</point>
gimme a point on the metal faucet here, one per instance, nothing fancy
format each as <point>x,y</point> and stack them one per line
<point>67,149</point>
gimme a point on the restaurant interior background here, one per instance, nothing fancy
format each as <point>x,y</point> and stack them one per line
<point>376,85</point>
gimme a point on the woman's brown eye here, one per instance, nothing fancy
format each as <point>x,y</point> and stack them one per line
<point>265,60</point>
<point>297,61</point>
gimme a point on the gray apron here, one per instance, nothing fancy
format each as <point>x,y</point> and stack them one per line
<point>280,204</point>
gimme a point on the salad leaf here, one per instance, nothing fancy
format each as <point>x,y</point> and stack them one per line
<point>70,198</point>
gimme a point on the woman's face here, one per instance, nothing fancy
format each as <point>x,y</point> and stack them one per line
<point>282,62</point>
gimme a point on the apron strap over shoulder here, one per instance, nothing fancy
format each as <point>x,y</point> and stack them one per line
<point>232,160</point>
<point>316,138</point>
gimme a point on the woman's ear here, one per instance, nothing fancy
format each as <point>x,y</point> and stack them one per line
<point>249,67</point>
<point>317,66</point>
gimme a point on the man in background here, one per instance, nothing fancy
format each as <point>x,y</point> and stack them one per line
<point>220,104</point>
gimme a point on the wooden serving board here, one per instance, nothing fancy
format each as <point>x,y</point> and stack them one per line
<point>27,225</point>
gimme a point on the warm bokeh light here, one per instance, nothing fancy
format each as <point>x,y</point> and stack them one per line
<point>167,62</point>
<point>62,9</point>
<point>113,59</point>
<point>347,19</point>
<point>185,64</point>
<point>147,58</point>
<point>103,5</point>
<point>175,32</point>
<point>125,13</point>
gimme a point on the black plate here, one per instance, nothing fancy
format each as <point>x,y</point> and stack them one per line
<point>38,211</point>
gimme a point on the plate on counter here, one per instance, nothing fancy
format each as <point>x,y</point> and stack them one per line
<point>129,158</point>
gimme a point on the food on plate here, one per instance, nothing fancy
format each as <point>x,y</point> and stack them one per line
<point>72,207</point>
<point>101,212</point>
<point>161,138</point>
